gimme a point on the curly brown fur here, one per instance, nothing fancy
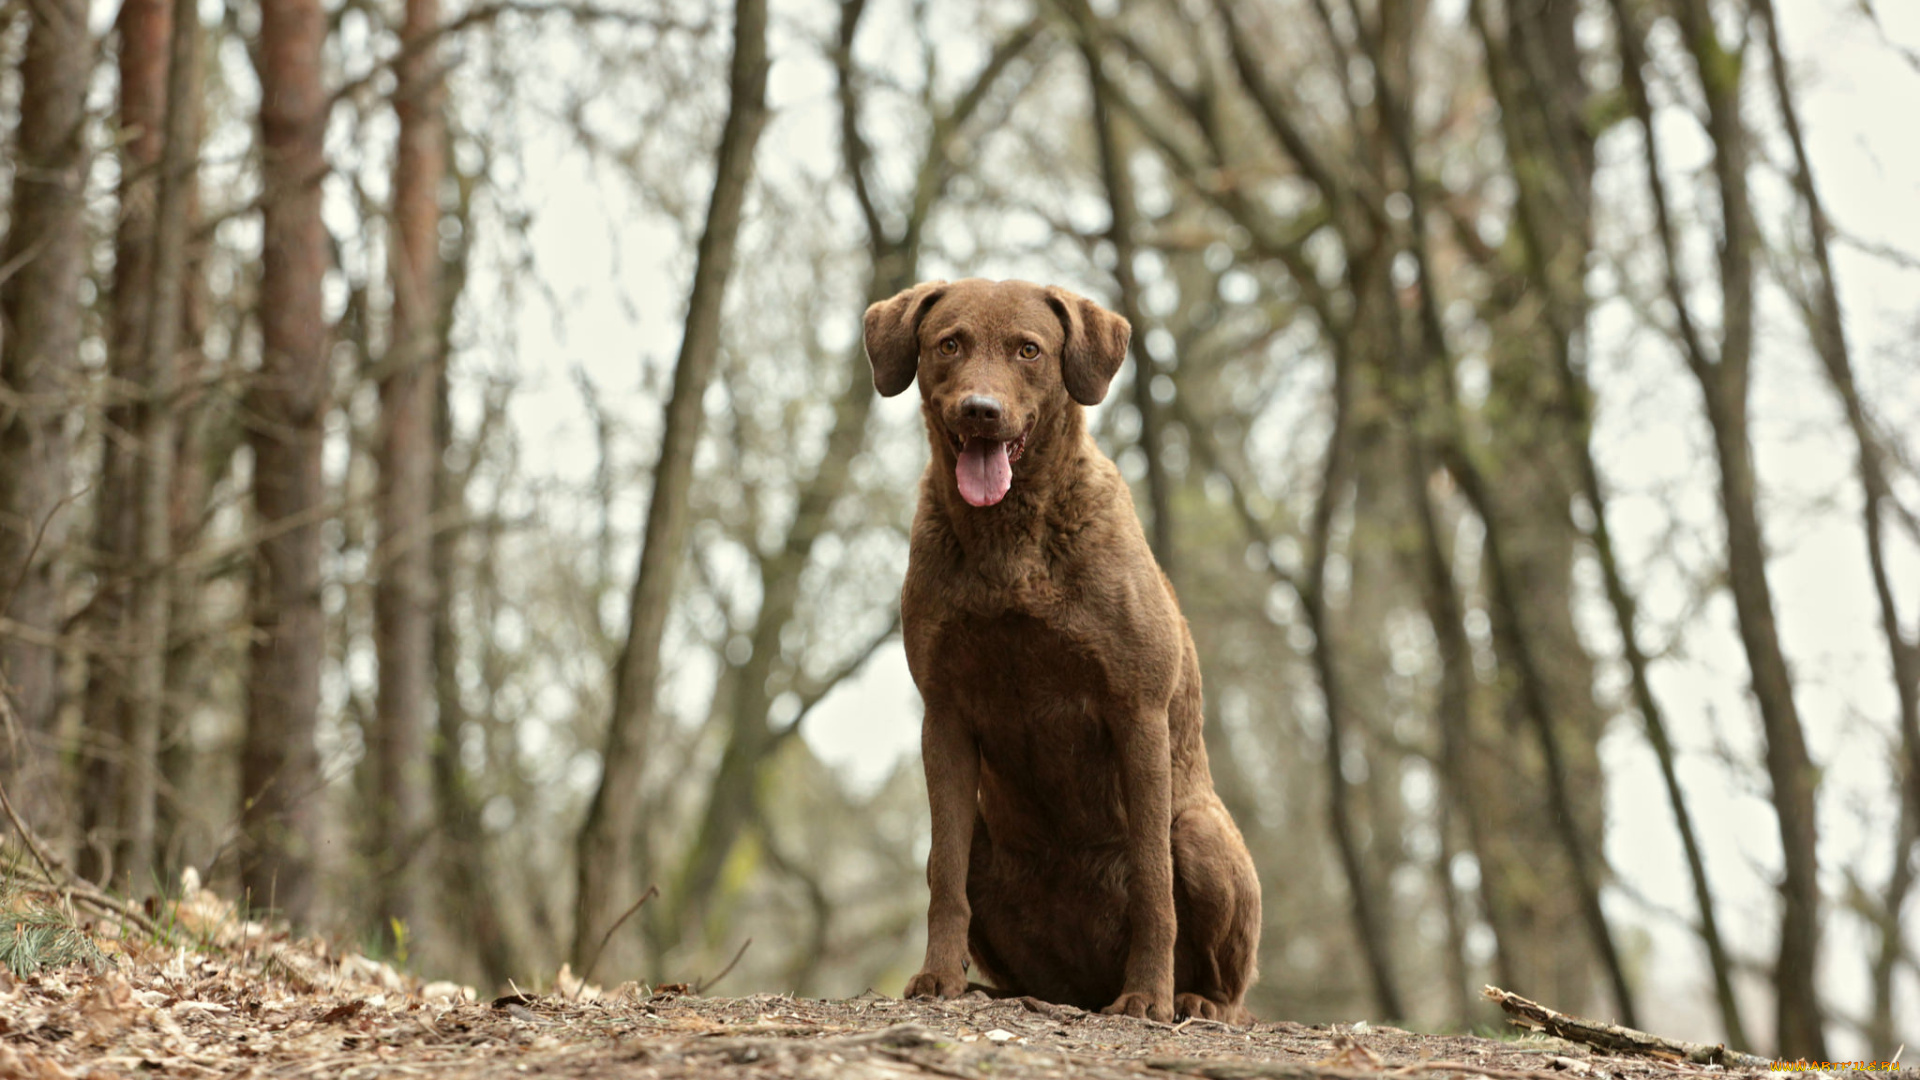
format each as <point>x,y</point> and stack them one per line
<point>1080,854</point>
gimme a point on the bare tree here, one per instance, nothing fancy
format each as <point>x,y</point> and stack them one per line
<point>144,28</point>
<point>206,438</point>
<point>403,595</point>
<point>42,263</point>
<point>732,803</point>
<point>1116,175</point>
<point>280,772</point>
<point>605,846</point>
<point>1363,171</point>
<point>152,586</point>
<point>470,895</point>
<point>1534,72</point>
<point>1724,381</point>
<point>1370,923</point>
<point>1819,297</point>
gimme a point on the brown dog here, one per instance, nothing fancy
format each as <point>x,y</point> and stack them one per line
<point>1079,851</point>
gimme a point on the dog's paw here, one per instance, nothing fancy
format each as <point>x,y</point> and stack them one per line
<point>936,984</point>
<point>1201,1008</point>
<point>1141,1006</point>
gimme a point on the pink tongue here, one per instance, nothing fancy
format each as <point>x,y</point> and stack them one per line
<point>984,472</point>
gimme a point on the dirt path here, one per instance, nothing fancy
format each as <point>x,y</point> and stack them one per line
<point>272,1014</point>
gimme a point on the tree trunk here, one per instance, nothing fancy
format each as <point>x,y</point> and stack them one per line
<point>1830,342</point>
<point>152,583</point>
<point>403,594</point>
<point>1371,925</point>
<point>1122,216</point>
<point>145,28</point>
<point>1460,995</point>
<point>42,262</point>
<point>472,900</point>
<point>1536,699</point>
<point>1529,573</point>
<point>605,846</point>
<point>1467,775</point>
<point>204,439</point>
<point>280,776</point>
<point>1724,384</point>
<point>189,676</point>
<point>1534,68</point>
<point>1376,342</point>
<point>732,802</point>
<point>1788,766</point>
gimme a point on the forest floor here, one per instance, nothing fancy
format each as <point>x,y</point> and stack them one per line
<point>203,992</point>
<point>273,1012</point>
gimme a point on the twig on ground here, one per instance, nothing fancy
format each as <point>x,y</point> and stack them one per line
<point>63,880</point>
<point>1192,1020</point>
<point>600,951</point>
<point>26,836</point>
<point>1614,1038</point>
<point>704,985</point>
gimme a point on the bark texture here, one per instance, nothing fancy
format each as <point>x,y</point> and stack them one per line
<point>152,585</point>
<point>144,28</point>
<point>403,594</point>
<point>287,403</point>
<point>42,263</point>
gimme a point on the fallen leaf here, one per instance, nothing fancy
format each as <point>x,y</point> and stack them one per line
<point>30,1065</point>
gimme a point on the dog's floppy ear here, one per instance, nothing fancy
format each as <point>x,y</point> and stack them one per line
<point>893,335</point>
<point>1096,344</point>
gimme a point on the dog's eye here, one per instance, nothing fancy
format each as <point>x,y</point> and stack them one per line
<point>949,346</point>
<point>1029,351</point>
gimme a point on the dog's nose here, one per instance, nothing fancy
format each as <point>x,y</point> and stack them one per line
<point>980,407</point>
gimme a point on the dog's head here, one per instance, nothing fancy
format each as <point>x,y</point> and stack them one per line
<point>994,358</point>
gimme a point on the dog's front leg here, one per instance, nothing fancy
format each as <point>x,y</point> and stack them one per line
<point>952,762</point>
<point>1147,779</point>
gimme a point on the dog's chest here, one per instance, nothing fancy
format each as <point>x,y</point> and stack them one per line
<point>1034,700</point>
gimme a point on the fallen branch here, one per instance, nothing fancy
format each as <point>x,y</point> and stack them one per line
<point>1614,1038</point>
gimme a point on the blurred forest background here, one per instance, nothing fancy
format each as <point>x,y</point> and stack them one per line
<point>442,492</point>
